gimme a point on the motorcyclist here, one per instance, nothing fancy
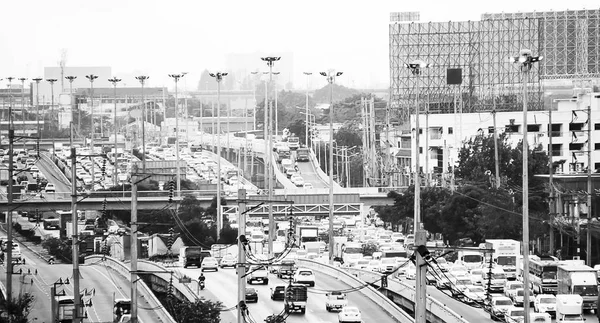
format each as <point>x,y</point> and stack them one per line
<point>201,278</point>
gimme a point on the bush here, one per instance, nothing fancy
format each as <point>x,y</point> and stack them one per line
<point>58,248</point>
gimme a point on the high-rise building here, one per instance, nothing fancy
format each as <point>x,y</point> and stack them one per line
<point>569,42</point>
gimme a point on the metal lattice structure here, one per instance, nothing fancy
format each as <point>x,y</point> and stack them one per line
<point>568,40</point>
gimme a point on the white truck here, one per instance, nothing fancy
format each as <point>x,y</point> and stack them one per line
<point>569,308</point>
<point>579,280</point>
<point>470,258</point>
<point>505,255</point>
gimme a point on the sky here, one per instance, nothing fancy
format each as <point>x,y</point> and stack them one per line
<point>155,38</point>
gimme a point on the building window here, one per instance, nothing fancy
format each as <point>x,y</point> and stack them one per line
<point>490,130</point>
<point>420,150</point>
<point>513,128</point>
<point>575,126</point>
<point>556,149</point>
<point>597,146</point>
<point>435,133</point>
<point>597,126</point>
<point>596,167</point>
<point>575,146</point>
<point>420,131</point>
<point>556,130</point>
<point>450,130</point>
<point>533,128</point>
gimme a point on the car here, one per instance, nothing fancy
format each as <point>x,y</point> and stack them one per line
<point>511,287</point>
<point>373,265</point>
<point>228,261</point>
<point>308,186</point>
<point>362,264</point>
<point>336,301</point>
<point>349,314</point>
<point>545,303</point>
<point>209,263</point>
<point>476,276</point>
<point>474,294</point>
<point>297,180</point>
<point>50,188</point>
<point>34,169</point>
<point>257,274</point>
<point>499,305</point>
<point>289,171</point>
<point>305,276</point>
<point>514,314</point>
<point>251,295</point>
<point>278,293</point>
<point>519,296</point>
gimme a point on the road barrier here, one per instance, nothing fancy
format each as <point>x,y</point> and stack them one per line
<point>385,303</point>
<point>160,312</point>
<point>404,294</point>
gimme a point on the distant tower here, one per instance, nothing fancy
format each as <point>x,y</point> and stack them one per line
<point>62,63</point>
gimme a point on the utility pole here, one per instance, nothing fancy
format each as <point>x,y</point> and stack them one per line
<point>9,196</point>
<point>73,106</point>
<point>134,228</point>
<point>114,81</point>
<point>176,78</point>
<point>588,257</point>
<point>420,235</point>
<point>142,79</point>
<point>75,236</point>
<point>241,266</point>
<point>51,81</point>
<point>426,149</point>
<point>91,78</point>
<point>496,159</point>
<point>22,79</point>
<point>37,100</point>
<point>552,206</point>
<point>308,74</point>
<point>219,77</point>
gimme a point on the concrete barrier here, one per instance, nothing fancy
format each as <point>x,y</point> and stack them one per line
<point>162,315</point>
<point>320,173</point>
<point>164,273</point>
<point>404,294</point>
<point>398,314</point>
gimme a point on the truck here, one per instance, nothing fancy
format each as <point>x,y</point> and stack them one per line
<point>336,300</point>
<point>307,233</point>
<point>317,247</point>
<point>505,255</point>
<point>470,258</point>
<point>302,155</point>
<point>295,298</point>
<point>283,152</point>
<point>293,142</point>
<point>64,307</point>
<point>579,280</point>
<point>569,308</point>
<point>192,256</point>
<point>286,268</point>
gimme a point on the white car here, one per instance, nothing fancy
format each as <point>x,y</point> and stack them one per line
<point>228,261</point>
<point>308,186</point>
<point>304,276</point>
<point>349,314</point>
<point>50,188</point>
<point>476,276</point>
<point>373,265</point>
<point>297,180</point>
<point>545,303</point>
<point>210,263</point>
<point>362,264</point>
<point>474,294</point>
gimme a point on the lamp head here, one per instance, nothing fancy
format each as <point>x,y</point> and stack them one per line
<point>339,73</point>
<point>323,73</point>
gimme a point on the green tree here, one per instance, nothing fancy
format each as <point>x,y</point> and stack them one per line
<point>17,309</point>
<point>200,311</point>
<point>348,135</point>
<point>340,93</point>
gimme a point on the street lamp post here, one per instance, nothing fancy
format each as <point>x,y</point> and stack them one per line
<point>331,75</point>
<point>22,79</point>
<point>269,153</point>
<point>51,81</point>
<point>114,82</point>
<point>142,79</point>
<point>176,78</point>
<point>420,238</point>
<point>91,78</point>
<point>185,101</point>
<point>308,74</point>
<point>73,106</point>
<point>37,104</point>
<point>254,96</point>
<point>219,77</point>
<point>525,61</point>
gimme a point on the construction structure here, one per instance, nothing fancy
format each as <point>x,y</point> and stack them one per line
<point>568,40</point>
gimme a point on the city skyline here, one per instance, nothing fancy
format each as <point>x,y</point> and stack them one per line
<point>137,37</point>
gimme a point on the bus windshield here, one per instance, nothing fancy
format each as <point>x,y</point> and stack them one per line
<point>353,250</point>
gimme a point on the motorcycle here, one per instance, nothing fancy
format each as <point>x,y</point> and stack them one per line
<point>201,285</point>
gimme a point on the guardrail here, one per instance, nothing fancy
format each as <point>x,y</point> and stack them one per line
<point>436,310</point>
<point>385,303</point>
<point>165,274</point>
<point>320,173</point>
<point>161,313</point>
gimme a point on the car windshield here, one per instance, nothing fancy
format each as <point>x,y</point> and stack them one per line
<point>517,313</point>
<point>504,302</point>
<point>305,273</point>
<point>250,290</point>
<point>388,261</point>
<point>548,300</point>
<point>515,286</point>
<point>586,290</point>
<point>351,310</point>
<point>363,262</point>
<point>476,290</point>
<point>499,276</point>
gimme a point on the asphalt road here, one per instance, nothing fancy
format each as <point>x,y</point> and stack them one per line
<point>222,286</point>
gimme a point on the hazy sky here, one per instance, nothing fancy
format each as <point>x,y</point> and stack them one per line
<point>160,37</point>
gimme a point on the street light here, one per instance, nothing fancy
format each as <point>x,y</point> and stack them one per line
<point>330,76</point>
<point>415,68</point>
<point>269,151</point>
<point>142,79</point>
<point>308,74</point>
<point>526,61</point>
<point>22,79</point>
<point>114,81</point>
<point>91,78</point>
<point>51,81</point>
<point>71,79</point>
<point>176,78</point>
<point>37,104</point>
<point>219,77</point>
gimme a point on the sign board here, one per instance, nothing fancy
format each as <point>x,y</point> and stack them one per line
<point>185,280</point>
<point>406,16</point>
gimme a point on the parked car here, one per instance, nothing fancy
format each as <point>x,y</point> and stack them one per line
<point>251,295</point>
<point>209,263</point>
<point>349,314</point>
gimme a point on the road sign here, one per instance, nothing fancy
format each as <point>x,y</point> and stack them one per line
<point>185,280</point>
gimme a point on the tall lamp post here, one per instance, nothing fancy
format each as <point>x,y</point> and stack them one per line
<point>114,82</point>
<point>219,77</point>
<point>525,61</point>
<point>22,79</point>
<point>415,68</point>
<point>269,152</point>
<point>176,78</point>
<point>330,76</point>
<point>308,74</point>
<point>37,104</point>
<point>142,79</point>
<point>91,78</point>
<point>51,81</point>
<point>71,78</point>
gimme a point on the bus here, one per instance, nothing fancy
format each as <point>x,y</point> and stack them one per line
<point>52,224</point>
<point>542,275</point>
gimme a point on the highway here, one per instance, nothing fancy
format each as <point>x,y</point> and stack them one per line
<point>222,286</point>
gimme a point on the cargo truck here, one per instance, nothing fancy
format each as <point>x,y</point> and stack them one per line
<point>307,233</point>
<point>192,256</point>
<point>579,280</point>
<point>302,155</point>
<point>569,309</point>
<point>295,298</point>
<point>505,255</point>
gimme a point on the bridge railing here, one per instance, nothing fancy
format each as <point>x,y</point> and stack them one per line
<point>161,313</point>
<point>398,314</point>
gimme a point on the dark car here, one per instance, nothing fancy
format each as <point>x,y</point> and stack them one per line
<point>251,295</point>
<point>278,293</point>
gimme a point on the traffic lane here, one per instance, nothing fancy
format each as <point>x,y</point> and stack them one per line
<point>223,285</point>
<point>38,227</point>
<point>308,173</point>
<point>50,171</point>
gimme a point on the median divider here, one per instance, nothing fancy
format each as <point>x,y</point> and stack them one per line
<point>398,314</point>
<point>160,312</point>
<point>436,310</point>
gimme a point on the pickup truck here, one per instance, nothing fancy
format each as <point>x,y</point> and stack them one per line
<point>335,301</point>
<point>286,268</point>
<point>258,274</point>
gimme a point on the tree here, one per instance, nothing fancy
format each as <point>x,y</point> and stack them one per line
<point>18,308</point>
<point>348,135</point>
<point>200,311</point>
<point>340,93</point>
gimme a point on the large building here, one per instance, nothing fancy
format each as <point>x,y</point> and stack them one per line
<point>569,42</point>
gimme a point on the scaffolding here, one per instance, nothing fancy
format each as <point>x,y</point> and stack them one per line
<point>568,40</point>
